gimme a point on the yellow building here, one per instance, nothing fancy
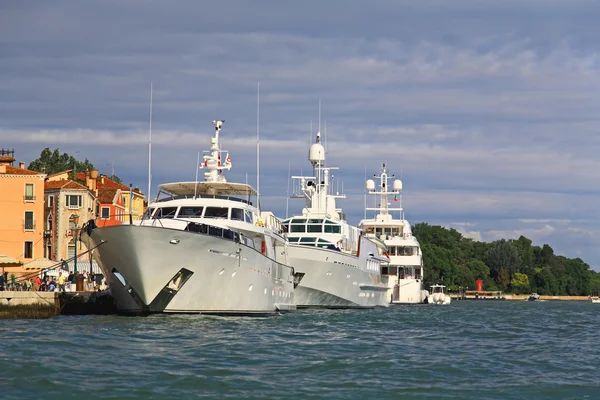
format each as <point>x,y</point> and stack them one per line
<point>21,210</point>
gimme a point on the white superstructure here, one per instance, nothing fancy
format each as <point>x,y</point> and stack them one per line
<point>404,273</point>
<point>341,267</point>
<point>202,247</point>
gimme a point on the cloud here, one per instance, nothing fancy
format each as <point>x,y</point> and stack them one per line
<point>487,114</point>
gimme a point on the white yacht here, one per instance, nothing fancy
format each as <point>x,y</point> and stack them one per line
<point>202,247</point>
<point>341,267</point>
<point>404,273</point>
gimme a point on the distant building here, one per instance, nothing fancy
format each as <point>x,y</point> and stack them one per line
<point>21,209</point>
<point>103,182</point>
<point>66,199</point>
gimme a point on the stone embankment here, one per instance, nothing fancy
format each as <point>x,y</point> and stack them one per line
<point>16,304</point>
<point>526,296</point>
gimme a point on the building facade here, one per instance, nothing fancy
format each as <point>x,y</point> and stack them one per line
<point>66,200</point>
<point>21,210</point>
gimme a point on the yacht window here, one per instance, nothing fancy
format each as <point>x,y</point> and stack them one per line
<point>214,231</point>
<point>388,231</point>
<point>323,243</point>
<point>237,214</point>
<point>293,240</point>
<point>308,241</point>
<point>393,270</point>
<point>333,229</point>
<point>166,212</point>
<point>298,228</point>
<point>315,228</point>
<point>299,221</point>
<point>378,231</point>
<point>190,212</point>
<point>216,212</point>
<point>369,230</point>
<point>384,270</point>
<point>247,216</point>
<point>149,212</point>
<point>329,222</point>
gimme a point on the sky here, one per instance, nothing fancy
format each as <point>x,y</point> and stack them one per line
<point>488,111</point>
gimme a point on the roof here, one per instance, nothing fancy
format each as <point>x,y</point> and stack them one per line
<point>63,184</point>
<point>106,196</point>
<point>108,183</point>
<point>10,170</point>
<point>209,188</point>
<point>6,158</point>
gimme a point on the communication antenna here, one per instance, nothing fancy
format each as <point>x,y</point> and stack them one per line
<point>150,149</point>
<point>287,200</point>
<point>258,145</point>
<point>197,169</point>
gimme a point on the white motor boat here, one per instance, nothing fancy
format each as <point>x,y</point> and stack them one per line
<point>438,295</point>
<point>404,273</point>
<point>341,266</point>
<point>202,247</point>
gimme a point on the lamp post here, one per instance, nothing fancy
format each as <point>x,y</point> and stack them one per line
<point>75,233</point>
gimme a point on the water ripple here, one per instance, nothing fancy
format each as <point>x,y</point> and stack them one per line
<point>484,350</point>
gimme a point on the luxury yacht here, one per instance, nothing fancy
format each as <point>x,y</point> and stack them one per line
<point>341,267</point>
<point>202,247</point>
<point>404,273</point>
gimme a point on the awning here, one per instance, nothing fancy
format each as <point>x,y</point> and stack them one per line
<point>41,263</point>
<point>8,261</point>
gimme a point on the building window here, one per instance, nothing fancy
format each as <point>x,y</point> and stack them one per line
<point>73,201</point>
<point>49,223</point>
<point>29,225</point>
<point>29,192</point>
<point>105,213</point>
<point>51,201</point>
<point>28,250</point>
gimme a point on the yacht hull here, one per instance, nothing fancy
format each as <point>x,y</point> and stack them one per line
<point>160,270</point>
<point>334,280</point>
<point>406,291</point>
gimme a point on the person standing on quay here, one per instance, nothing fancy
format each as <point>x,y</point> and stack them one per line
<point>61,282</point>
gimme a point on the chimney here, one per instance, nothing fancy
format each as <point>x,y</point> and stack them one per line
<point>102,180</point>
<point>22,165</point>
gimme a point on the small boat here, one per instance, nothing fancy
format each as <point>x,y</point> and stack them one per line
<point>438,295</point>
<point>533,297</point>
<point>594,297</point>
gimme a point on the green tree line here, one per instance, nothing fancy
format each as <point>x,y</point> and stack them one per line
<point>513,266</point>
<point>51,162</point>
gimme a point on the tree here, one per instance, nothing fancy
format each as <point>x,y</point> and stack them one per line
<point>51,162</point>
<point>520,283</point>
<point>502,254</point>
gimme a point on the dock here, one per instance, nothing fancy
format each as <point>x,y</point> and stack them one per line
<point>31,304</point>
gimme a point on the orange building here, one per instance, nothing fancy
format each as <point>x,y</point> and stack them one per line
<point>112,208</point>
<point>21,210</point>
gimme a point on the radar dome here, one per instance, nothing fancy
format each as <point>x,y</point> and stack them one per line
<point>398,184</point>
<point>370,184</point>
<point>316,153</point>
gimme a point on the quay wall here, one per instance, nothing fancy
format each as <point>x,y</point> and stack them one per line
<point>17,298</point>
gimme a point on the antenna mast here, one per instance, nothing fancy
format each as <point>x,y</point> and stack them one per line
<point>258,145</point>
<point>149,149</point>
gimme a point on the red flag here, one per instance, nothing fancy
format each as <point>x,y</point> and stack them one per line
<point>395,198</point>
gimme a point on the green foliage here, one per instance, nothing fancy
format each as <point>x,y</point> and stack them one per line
<point>51,162</point>
<point>509,265</point>
<point>520,283</point>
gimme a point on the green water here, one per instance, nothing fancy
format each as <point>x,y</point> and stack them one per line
<point>467,350</point>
